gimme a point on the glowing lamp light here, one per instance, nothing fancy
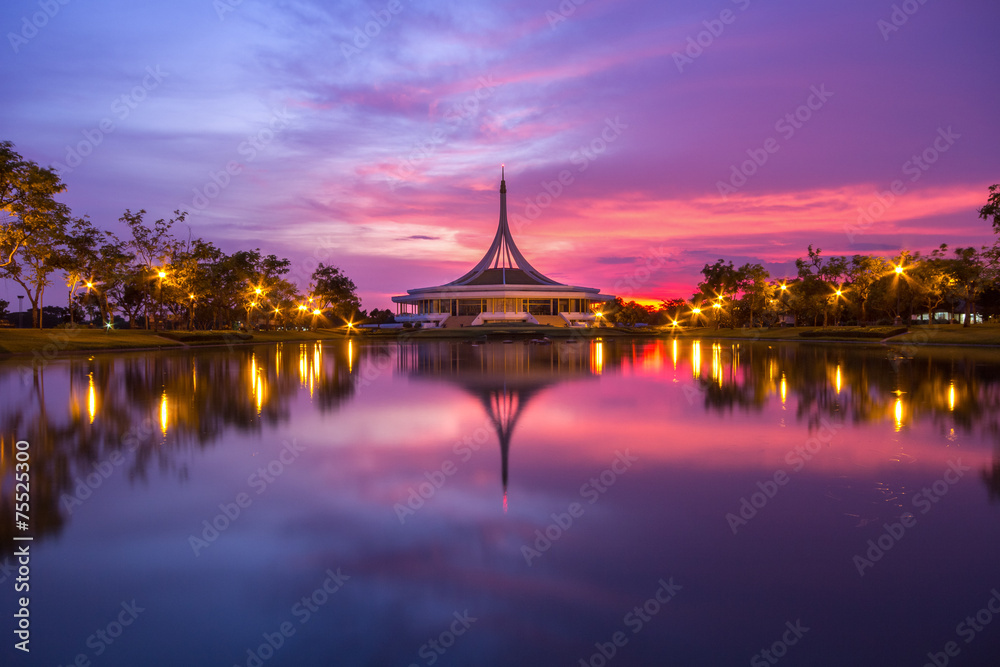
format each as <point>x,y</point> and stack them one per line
<point>784,287</point>
<point>302,306</point>
<point>317,312</point>
<point>258,290</point>
<point>162,274</point>
<point>696,311</point>
<point>899,270</point>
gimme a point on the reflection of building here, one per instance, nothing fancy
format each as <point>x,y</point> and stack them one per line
<point>504,377</point>
<point>502,287</point>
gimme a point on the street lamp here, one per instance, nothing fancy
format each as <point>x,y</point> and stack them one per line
<point>899,273</point>
<point>161,274</point>
<point>20,311</point>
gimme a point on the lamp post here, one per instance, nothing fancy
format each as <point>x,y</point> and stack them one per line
<point>899,273</point>
<point>159,310</point>
<point>20,311</point>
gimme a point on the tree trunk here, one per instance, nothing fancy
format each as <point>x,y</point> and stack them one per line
<point>38,299</point>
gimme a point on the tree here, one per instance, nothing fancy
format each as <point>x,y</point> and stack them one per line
<point>721,281</point>
<point>26,198</point>
<point>754,288</point>
<point>334,291</point>
<point>864,271</point>
<point>112,273</point>
<point>37,256</point>
<point>152,246</point>
<point>812,291</point>
<point>631,313</point>
<point>968,277</point>
<point>78,257</point>
<point>992,207</point>
<point>928,280</point>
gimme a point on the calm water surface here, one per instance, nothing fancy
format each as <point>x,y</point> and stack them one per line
<point>598,502</point>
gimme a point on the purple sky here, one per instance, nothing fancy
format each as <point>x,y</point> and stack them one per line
<point>381,155</point>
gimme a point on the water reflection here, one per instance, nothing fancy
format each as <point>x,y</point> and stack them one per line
<point>504,377</point>
<point>156,408</point>
<point>160,407</point>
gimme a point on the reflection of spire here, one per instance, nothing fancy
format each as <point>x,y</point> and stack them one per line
<point>503,377</point>
<point>504,408</point>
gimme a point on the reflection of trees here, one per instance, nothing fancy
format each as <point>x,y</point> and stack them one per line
<point>958,391</point>
<point>858,384</point>
<point>153,409</point>
<point>991,476</point>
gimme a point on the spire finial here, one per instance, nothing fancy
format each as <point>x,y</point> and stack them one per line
<point>503,183</point>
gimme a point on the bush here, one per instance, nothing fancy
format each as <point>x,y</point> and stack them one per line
<point>196,337</point>
<point>854,332</point>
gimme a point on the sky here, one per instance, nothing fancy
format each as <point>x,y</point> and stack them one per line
<point>641,139</point>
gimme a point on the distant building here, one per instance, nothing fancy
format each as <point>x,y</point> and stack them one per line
<point>502,288</point>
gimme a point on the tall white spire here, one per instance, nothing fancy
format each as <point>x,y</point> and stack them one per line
<point>504,255</point>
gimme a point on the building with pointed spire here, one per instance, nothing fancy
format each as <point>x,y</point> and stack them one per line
<point>502,288</point>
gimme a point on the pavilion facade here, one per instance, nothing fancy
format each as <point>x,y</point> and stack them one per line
<point>502,288</point>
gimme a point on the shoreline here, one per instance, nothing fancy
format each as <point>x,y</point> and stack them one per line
<point>54,343</point>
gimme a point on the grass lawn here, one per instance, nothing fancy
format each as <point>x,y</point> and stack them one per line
<point>951,334</point>
<point>26,341</point>
<point>941,334</point>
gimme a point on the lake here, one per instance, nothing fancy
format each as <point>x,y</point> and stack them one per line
<point>585,502</point>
